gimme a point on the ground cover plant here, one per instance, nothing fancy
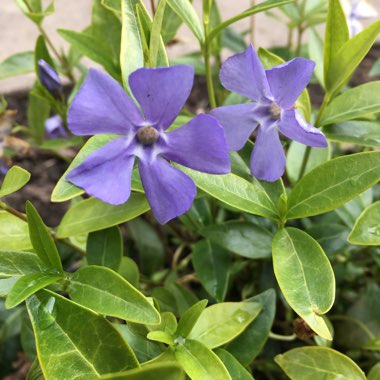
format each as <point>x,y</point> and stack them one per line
<point>238,240</point>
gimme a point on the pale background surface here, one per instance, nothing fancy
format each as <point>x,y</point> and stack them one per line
<point>18,33</point>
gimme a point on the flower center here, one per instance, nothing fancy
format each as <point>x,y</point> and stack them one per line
<point>147,135</point>
<point>275,111</point>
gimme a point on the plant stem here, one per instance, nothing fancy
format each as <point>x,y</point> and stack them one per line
<point>285,338</point>
<point>252,25</point>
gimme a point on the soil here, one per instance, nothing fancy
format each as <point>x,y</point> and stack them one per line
<point>46,168</point>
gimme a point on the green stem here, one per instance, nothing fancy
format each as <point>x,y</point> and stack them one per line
<point>285,338</point>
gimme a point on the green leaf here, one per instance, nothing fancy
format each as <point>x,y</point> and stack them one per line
<point>186,12</point>
<point>189,319</point>
<point>199,362</point>
<point>75,341</point>
<point>374,373</point>
<point>315,50</point>
<point>106,292</point>
<point>105,248</point>
<point>348,57</point>
<point>17,64</point>
<point>21,263</point>
<point>213,266</point>
<point>129,270</point>
<point>251,341</point>
<point>235,369</point>
<point>164,371</point>
<point>14,180</point>
<point>34,9</point>
<point>14,232</point>
<point>294,159</point>
<point>220,323</point>
<point>92,215</point>
<point>42,241</point>
<point>352,104</point>
<point>366,230</point>
<point>6,285</point>
<point>318,362</point>
<point>336,35</point>
<point>41,52</point>
<point>161,336</point>
<point>92,48</point>
<point>365,133</point>
<point>131,53</point>
<point>38,111</point>
<point>155,34</point>
<point>28,285</point>
<point>305,277</point>
<point>339,180</point>
<point>242,238</point>
<point>170,25</point>
<point>236,192</point>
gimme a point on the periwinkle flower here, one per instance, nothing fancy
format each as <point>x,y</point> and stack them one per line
<point>49,77</point>
<point>102,106</point>
<point>356,11</point>
<point>54,128</point>
<point>274,93</point>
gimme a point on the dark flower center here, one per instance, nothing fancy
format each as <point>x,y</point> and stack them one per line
<point>147,135</point>
<point>275,111</point>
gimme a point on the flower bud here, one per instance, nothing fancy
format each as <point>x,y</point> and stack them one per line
<point>49,77</point>
<point>54,128</point>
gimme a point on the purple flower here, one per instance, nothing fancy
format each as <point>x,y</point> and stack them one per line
<point>49,77</point>
<point>274,92</point>
<point>356,11</point>
<point>102,106</point>
<point>54,128</point>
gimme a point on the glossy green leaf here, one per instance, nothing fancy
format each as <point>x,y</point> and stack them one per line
<point>161,336</point>
<point>236,192</point>
<point>131,52</point>
<point>339,180</point>
<point>75,341</point>
<point>365,133</point>
<point>105,248</point>
<point>318,363</point>
<point>92,48</point>
<point>298,260</point>
<point>14,180</point>
<point>235,369</point>
<point>336,34</point>
<point>220,323</point>
<point>186,12</point>
<point>168,323</point>
<point>170,25</point>
<point>17,64</point>
<point>366,230</point>
<point>246,346</point>
<point>352,104</point>
<point>164,371</point>
<point>242,238</point>
<point>14,232</point>
<point>92,215</point>
<point>41,240</point>
<point>295,156</point>
<point>190,318</point>
<point>199,362</point>
<point>213,265</point>
<point>129,270</point>
<point>28,285</point>
<point>349,55</point>
<point>41,52</point>
<point>106,292</point>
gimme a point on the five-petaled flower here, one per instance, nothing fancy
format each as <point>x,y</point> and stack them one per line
<point>102,106</point>
<point>274,93</point>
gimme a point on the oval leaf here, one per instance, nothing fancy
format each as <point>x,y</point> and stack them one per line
<point>305,277</point>
<point>106,292</point>
<point>14,263</point>
<point>14,180</point>
<point>14,232</point>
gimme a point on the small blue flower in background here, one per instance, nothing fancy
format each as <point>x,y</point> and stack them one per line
<point>356,11</point>
<point>49,77</point>
<point>54,128</point>
<point>102,106</point>
<point>274,93</point>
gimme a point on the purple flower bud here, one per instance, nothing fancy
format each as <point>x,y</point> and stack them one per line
<point>49,77</point>
<point>54,128</point>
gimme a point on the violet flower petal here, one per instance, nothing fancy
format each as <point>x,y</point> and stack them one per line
<point>170,192</point>
<point>199,144</point>
<point>268,157</point>
<point>244,74</point>
<point>49,77</point>
<point>238,122</point>
<point>294,126</point>
<point>162,92</point>
<point>106,173</point>
<point>102,106</point>
<point>54,128</point>
<point>288,80</point>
